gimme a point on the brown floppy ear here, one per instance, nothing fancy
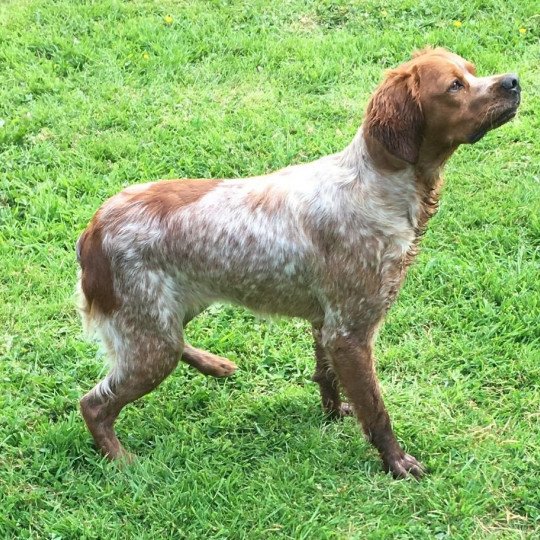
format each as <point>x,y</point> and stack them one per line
<point>394,116</point>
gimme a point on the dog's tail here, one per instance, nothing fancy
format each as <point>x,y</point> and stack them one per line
<point>95,287</point>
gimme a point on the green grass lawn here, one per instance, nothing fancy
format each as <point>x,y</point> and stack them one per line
<point>96,95</point>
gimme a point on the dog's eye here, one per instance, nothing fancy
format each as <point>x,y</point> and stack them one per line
<point>455,86</point>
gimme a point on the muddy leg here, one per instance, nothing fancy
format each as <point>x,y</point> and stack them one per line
<point>353,362</point>
<point>142,367</point>
<point>327,380</point>
<point>208,363</point>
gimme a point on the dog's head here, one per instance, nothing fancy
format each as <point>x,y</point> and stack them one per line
<point>436,100</point>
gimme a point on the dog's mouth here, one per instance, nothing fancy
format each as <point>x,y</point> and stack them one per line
<point>498,121</point>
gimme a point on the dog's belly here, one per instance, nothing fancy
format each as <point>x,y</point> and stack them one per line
<point>262,292</point>
<point>278,300</point>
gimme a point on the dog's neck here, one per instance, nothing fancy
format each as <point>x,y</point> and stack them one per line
<point>423,178</point>
<point>426,172</point>
<point>431,161</point>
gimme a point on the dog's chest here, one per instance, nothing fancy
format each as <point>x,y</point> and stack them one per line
<point>385,242</point>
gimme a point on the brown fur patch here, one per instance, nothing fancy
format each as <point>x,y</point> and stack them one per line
<point>97,277</point>
<point>382,158</point>
<point>164,197</point>
<point>394,117</point>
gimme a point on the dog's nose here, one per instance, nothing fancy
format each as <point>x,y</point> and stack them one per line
<point>510,82</point>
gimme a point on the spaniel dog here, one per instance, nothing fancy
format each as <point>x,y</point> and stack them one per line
<point>328,241</point>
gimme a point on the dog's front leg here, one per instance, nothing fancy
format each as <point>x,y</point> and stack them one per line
<point>353,362</point>
<point>327,380</point>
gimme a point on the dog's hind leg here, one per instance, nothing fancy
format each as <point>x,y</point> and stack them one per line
<point>140,362</point>
<point>208,363</point>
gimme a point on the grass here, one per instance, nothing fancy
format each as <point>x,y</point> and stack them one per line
<point>96,95</point>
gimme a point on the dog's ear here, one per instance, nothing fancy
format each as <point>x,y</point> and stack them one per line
<point>394,116</point>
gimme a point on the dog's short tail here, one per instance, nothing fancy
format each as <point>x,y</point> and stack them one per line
<point>95,288</point>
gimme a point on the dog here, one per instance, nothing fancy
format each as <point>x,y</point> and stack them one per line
<point>328,241</point>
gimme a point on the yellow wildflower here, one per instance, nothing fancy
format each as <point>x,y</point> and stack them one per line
<point>458,24</point>
<point>145,56</point>
<point>522,31</point>
<point>168,20</point>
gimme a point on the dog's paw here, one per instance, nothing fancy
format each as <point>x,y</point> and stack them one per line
<point>346,410</point>
<point>337,414</point>
<point>405,466</point>
<point>123,459</point>
<point>223,368</point>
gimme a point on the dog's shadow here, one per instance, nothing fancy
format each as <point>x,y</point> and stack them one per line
<point>286,427</point>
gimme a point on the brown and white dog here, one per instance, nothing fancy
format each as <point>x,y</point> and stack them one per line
<point>329,241</point>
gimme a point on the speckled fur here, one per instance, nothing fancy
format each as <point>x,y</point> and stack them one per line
<point>328,241</point>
